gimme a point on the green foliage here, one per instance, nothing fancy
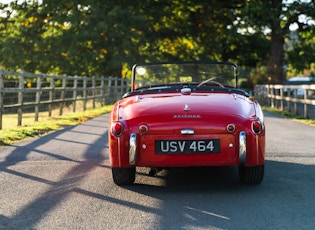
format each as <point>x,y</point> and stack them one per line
<point>97,38</point>
<point>301,56</point>
<point>254,76</point>
<point>274,18</point>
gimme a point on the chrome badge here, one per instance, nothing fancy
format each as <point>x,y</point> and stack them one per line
<point>191,116</point>
<point>186,115</point>
<point>186,108</point>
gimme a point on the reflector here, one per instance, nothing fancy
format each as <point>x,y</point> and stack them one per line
<point>230,128</point>
<point>143,129</point>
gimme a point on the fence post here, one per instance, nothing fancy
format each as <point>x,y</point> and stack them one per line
<point>127,89</point>
<point>295,103</point>
<point>75,86</point>
<point>281,102</point>
<point>51,96</point>
<point>102,92</point>
<point>288,102</point>
<point>85,95</point>
<point>93,92</point>
<point>124,86</point>
<point>116,88</point>
<point>110,90</point>
<point>63,93</point>
<point>305,104</point>
<point>272,97</point>
<point>20,99</point>
<point>1,96</point>
<point>38,92</point>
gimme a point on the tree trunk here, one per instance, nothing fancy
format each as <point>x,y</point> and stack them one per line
<point>275,65</point>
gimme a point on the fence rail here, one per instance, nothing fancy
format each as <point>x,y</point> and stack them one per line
<point>26,92</point>
<point>299,99</point>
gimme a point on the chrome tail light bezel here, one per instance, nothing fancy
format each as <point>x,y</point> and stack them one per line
<point>257,126</point>
<point>117,128</point>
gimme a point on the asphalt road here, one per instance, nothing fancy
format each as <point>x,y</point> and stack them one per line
<point>63,181</point>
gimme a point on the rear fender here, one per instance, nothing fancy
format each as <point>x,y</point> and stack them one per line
<point>255,145</point>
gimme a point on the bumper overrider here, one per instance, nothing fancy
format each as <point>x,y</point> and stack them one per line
<point>132,149</point>
<point>242,147</point>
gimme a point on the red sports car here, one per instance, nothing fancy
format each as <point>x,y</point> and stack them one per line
<point>186,114</point>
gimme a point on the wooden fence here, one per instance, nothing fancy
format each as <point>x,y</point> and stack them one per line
<point>26,92</point>
<point>299,99</point>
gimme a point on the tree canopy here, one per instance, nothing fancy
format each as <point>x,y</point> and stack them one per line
<point>102,38</point>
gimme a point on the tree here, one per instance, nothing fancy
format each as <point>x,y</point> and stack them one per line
<point>94,38</point>
<point>186,30</point>
<point>275,17</point>
<point>69,37</point>
<point>21,37</point>
<point>301,54</point>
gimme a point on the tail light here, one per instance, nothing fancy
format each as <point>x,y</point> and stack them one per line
<point>117,128</point>
<point>257,126</point>
<point>143,129</point>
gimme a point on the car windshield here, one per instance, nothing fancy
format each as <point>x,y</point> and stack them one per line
<point>220,74</point>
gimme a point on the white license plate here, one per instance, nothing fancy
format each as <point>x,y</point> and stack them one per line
<point>187,146</point>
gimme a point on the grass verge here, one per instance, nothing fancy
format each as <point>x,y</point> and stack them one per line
<point>289,115</point>
<point>10,136</point>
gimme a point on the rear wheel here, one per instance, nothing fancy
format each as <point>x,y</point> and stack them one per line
<point>124,176</point>
<point>251,174</point>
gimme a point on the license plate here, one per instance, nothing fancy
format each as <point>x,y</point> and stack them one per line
<point>187,146</point>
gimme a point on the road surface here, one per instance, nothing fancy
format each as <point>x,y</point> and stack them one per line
<point>63,181</point>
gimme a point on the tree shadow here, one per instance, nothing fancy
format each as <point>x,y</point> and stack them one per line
<point>213,198</point>
<point>91,157</point>
<point>191,198</point>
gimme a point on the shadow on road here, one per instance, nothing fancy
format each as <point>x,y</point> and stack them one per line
<point>87,159</point>
<point>196,198</point>
<point>213,197</point>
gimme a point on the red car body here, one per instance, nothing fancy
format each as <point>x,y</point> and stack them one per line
<point>186,124</point>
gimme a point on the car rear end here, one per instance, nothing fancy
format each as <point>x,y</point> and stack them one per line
<point>201,119</point>
<point>158,132</point>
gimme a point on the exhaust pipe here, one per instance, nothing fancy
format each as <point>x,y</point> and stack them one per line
<point>154,171</point>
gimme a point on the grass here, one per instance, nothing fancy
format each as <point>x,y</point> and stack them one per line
<point>289,115</point>
<point>10,120</point>
<point>46,125</point>
<point>11,135</point>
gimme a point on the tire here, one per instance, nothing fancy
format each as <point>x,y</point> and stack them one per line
<point>124,176</point>
<point>251,174</point>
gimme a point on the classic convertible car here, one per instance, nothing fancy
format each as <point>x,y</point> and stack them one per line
<point>186,114</point>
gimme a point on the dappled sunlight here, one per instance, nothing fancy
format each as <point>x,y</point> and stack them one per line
<point>47,177</point>
<point>206,212</point>
<point>223,203</point>
<point>171,199</point>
